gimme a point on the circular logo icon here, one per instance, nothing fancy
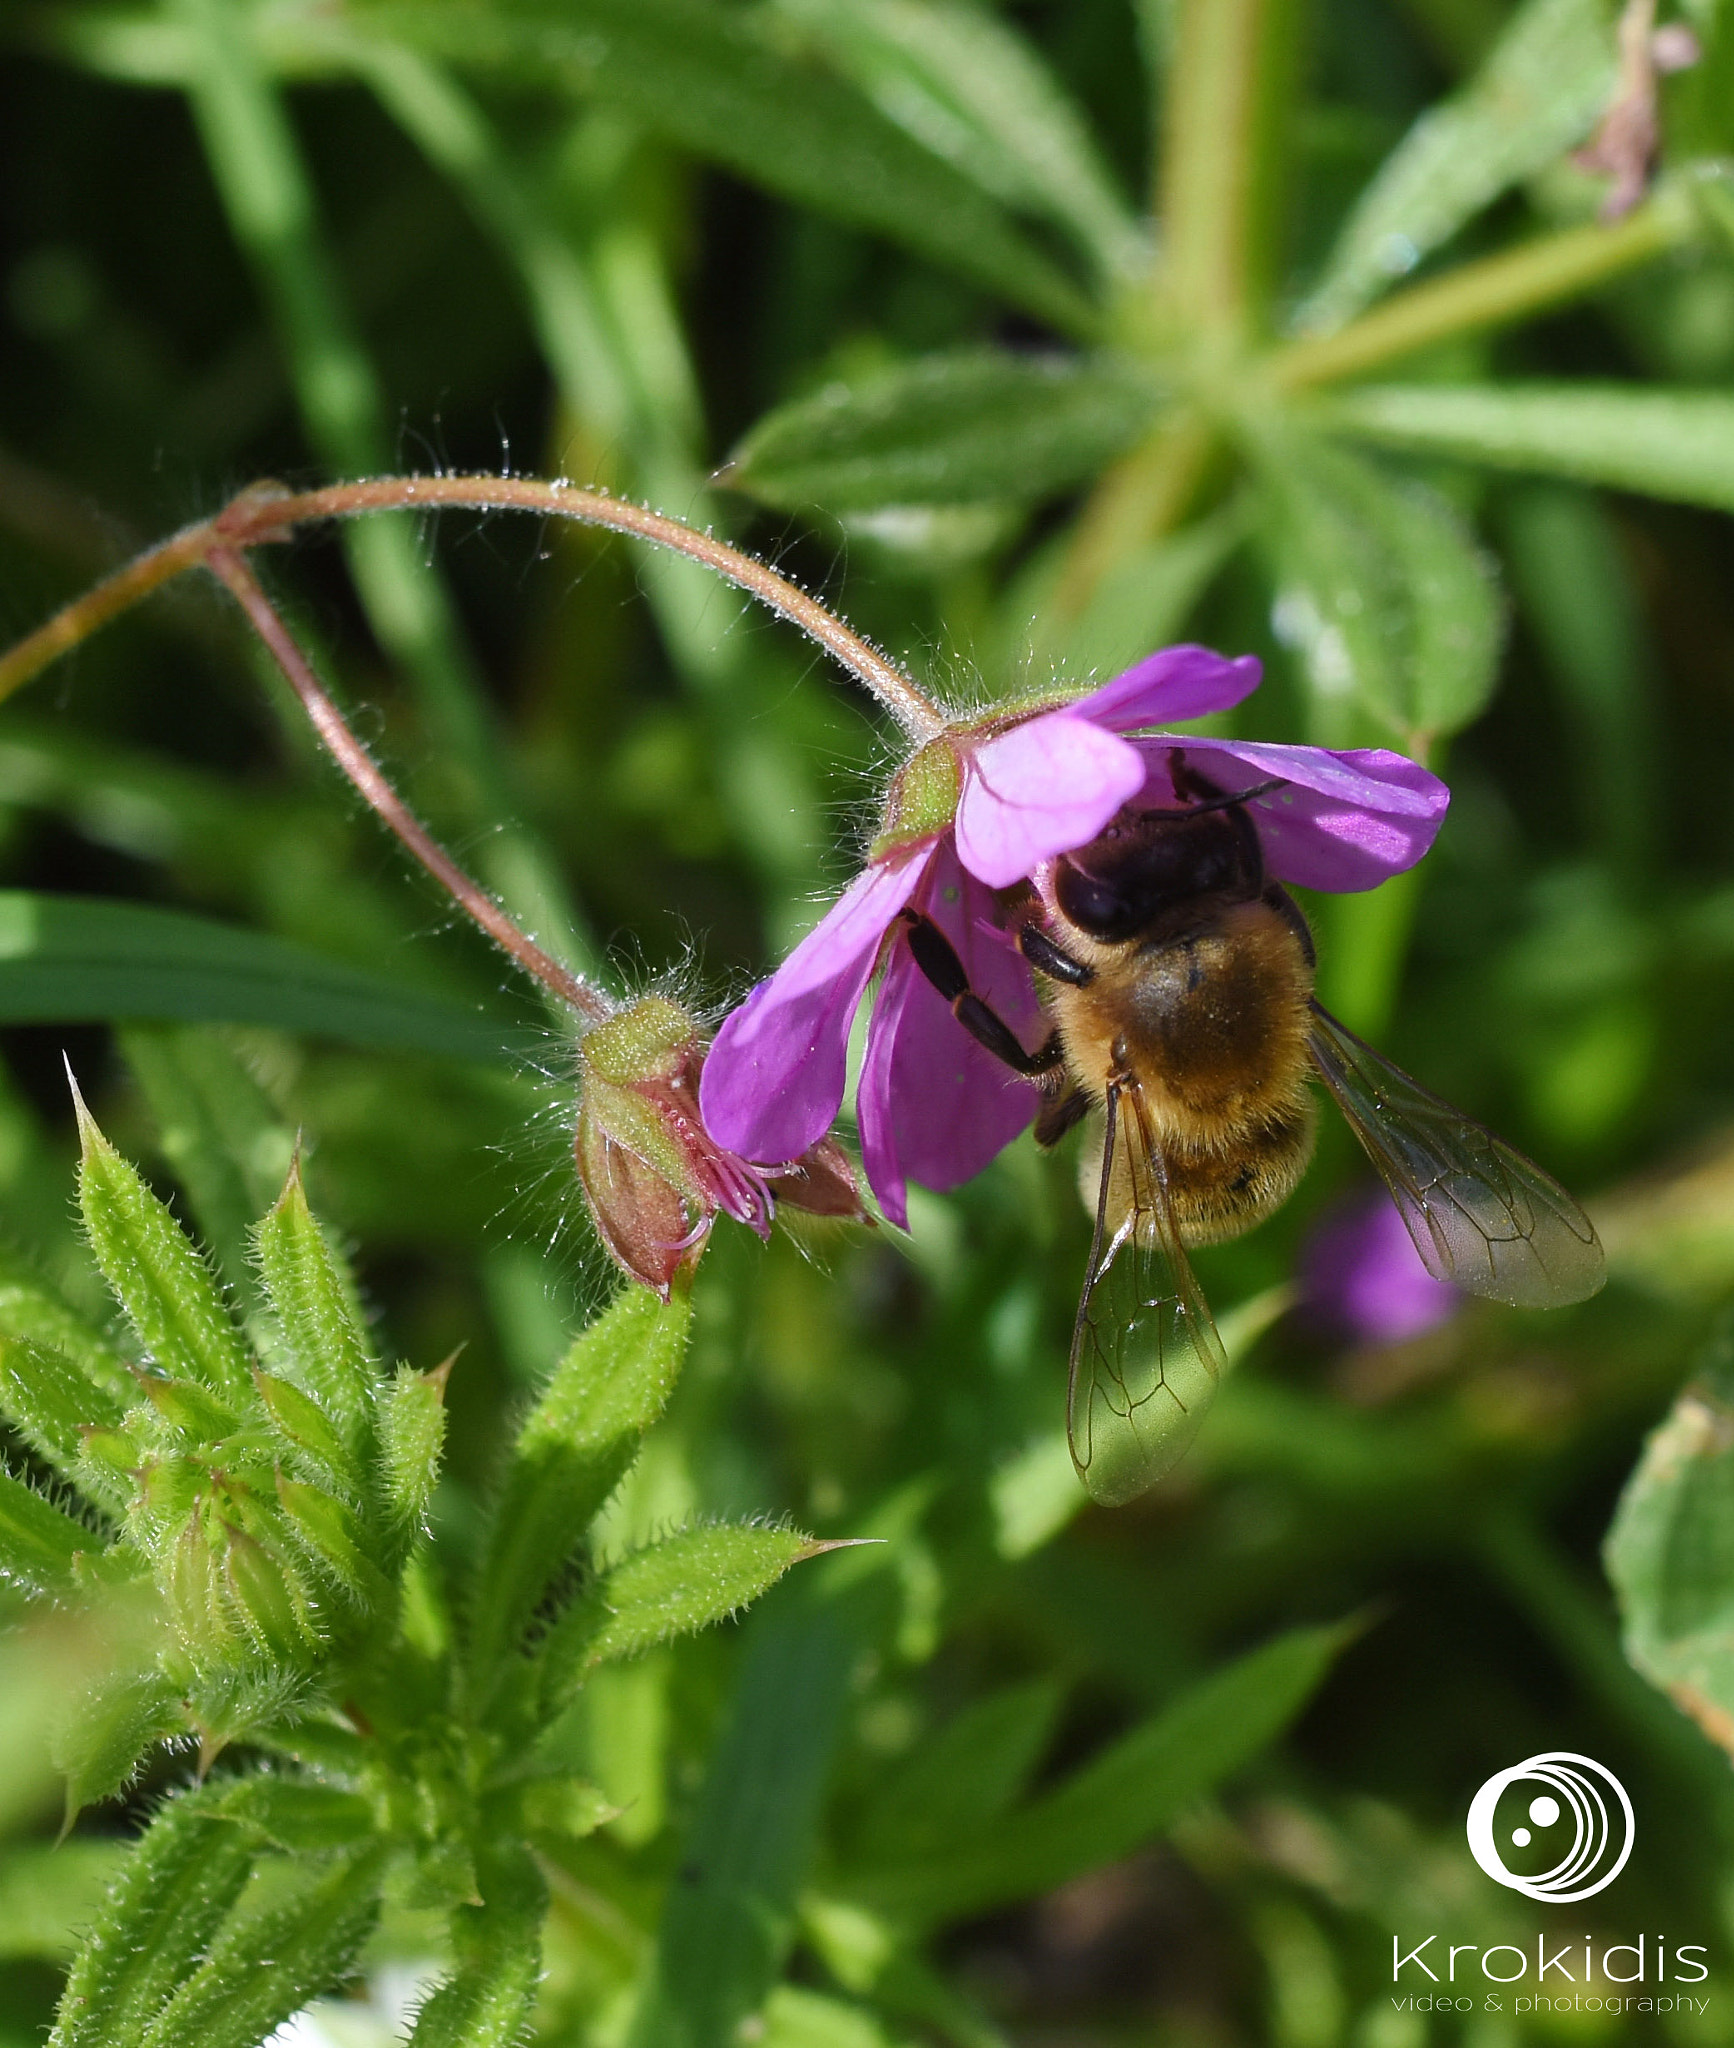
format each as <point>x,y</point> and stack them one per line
<point>1592,1844</point>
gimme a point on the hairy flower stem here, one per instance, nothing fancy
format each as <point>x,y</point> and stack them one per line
<point>267,512</point>
<point>351,756</point>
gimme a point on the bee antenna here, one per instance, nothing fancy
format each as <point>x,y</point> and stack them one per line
<point>1225,802</point>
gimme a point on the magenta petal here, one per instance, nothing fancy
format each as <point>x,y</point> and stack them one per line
<point>1171,684</point>
<point>1040,789</point>
<point>1345,821</point>
<point>773,1080</point>
<point>934,1106</point>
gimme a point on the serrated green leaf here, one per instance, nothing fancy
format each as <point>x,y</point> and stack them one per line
<point>947,430</point>
<point>1670,1551</point>
<point>1667,444</point>
<point>176,1888</point>
<point>263,1967</point>
<point>42,1550</point>
<point>1123,1797</point>
<point>972,90</point>
<point>410,1420</point>
<point>571,1453</point>
<point>52,1403</point>
<point>313,1298</point>
<point>220,1133</point>
<point>71,958</point>
<point>101,1743</point>
<point>710,79</point>
<point>158,1276</point>
<point>486,2002</point>
<point>686,1582</point>
<point>1539,91</point>
<point>1385,596</point>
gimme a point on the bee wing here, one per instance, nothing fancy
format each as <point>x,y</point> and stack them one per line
<point>1145,1353</point>
<point>1480,1214</point>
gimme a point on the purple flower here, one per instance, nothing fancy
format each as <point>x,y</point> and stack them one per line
<point>976,811</point>
<point>1362,1278</point>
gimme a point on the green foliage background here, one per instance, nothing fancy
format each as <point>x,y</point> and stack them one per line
<point>1378,397</point>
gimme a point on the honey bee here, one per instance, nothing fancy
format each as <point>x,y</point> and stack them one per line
<point>1178,978</point>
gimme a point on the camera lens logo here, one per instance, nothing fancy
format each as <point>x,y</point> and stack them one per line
<point>1574,1790</point>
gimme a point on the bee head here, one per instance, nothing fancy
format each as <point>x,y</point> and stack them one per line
<point>1150,865</point>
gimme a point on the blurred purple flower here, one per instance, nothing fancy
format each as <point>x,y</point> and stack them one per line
<point>976,811</point>
<point>1361,1277</point>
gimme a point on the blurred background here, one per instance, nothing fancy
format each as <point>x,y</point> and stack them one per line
<point>1033,335</point>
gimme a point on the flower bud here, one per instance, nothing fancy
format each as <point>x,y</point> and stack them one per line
<point>652,1174</point>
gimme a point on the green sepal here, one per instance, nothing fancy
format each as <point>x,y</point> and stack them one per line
<point>315,1304</point>
<point>486,2001</point>
<point>410,1418</point>
<point>336,1540</point>
<point>188,1408</point>
<point>42,1549</point>
<point>572,1451</point>
<point>52,1403</point>
<point>100,1745</point>
<point>269,1600</point>
<point>307,1428</point>
<point>156,1273</point>
<point>684,1583</point>
<point>263,1967</point>
<point>184,1874</point>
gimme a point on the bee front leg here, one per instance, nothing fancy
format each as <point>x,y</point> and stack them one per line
<point>937,958</point>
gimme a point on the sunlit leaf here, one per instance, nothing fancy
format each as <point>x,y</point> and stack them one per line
<point>1667,444</point>
<point>1385,596</point>
<point>1539,91</point>
<point>706,77</point>
<point>968,87</point>
<point>946,430</point>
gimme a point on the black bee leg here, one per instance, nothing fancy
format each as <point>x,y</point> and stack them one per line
<point>1188,781</point>
<point>1041,952</point>
<point>1058,1114</point>
<point>937,958</point>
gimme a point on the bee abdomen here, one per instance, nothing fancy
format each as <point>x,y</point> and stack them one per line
<point>1220,1190</point>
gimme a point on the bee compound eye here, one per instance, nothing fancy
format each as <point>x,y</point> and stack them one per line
<point>1092,904</point>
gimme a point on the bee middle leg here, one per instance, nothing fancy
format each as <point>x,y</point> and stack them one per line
<point>938,959</point>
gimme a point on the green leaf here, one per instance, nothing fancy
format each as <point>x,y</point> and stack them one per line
<point>51,1403</point>
<point>411,1423</point>
<point>972,90</point>
<point>157,1276</point>
<point>30,1311</point>
<point>42,1550</point>
<point>685,1583</point>
<point>486,2002</point>
<point>220,1133</point>
<point>263,1967</point>
<point>1670,1551</point>
<point>1385,596</point>
<point>725,1931</point>
<point>314,1299</point>
<point>710,79</point>
<point>174,1892</point>
<point>101,1743</point>
<point>947,430</point>
<point>1541,88</point>
<point>962,1777</point>
<point>66,959</point>
<point>299,1814</point>
<point>1667,444</point>
<point>794,2018</point>
<point>302,1424</point>
<point>1123,1797</point>
<point>571,1453</point>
